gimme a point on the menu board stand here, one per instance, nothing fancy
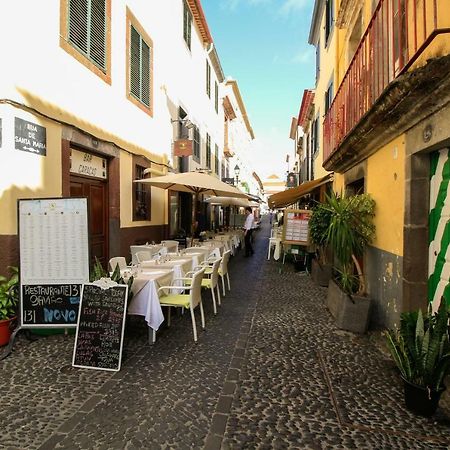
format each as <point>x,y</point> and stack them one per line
<point>101,324</point>
<point>54,262</point>
<point>295,230</point>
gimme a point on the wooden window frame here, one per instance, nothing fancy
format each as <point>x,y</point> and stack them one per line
<point>208,151</point>
<point>187,25</point>
<point>73,51</point>
<point>139,161</point>
<point>196,144</point>
<point>216,159</point>
<point>329,20</point>
<point>208,79</point>
<point>216,97</point>
<point>131,21</point>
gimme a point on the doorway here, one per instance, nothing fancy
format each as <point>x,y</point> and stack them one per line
<point>96,192</point>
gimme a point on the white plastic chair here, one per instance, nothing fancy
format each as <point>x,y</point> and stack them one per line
<point>143,255</point>
<point>223,271</point>
<point>212,280</point>
<point>189,301</point>
<point>170,243</point>
<point>215,252</point>
<point>117,261</point>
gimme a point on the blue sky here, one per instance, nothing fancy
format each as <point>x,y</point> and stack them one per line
<point>263,44</point>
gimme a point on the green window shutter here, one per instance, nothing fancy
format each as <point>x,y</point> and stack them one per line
<point>187,23</point>
<point>87,29</point>
<point>139,67</point>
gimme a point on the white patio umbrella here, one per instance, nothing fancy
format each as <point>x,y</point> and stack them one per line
<point>228,201</point>
<point>195,183</point>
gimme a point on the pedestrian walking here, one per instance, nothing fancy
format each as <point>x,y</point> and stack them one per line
<point>248,230</point>
<point>271,216</point>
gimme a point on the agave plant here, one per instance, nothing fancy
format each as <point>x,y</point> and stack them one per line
<point>421,347</point>
<point>99,272</point>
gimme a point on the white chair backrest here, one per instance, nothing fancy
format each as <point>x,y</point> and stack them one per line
<point>143,255</point>
<point>117,261</point>
<point>163,251</point>
<point>196,291</point>
<point>215,272</point>
<point>215,252</point>
<point>173,245</point>
<point>224,265</point>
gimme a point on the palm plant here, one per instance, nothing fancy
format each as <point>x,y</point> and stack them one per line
<point>421,347</point>
<point>318,230</point>
<point>350,230</point>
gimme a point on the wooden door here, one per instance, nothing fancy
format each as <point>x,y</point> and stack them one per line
<point>96,192</point>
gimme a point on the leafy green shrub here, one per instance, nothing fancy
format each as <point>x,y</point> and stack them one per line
<point>9,294</point>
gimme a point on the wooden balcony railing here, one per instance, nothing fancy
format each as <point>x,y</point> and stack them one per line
<point>398,33</point>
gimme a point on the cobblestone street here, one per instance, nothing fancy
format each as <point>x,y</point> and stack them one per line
<point>270,371</point>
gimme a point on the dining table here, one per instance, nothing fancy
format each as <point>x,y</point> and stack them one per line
<point>151,248</point>
<point>145,300</point>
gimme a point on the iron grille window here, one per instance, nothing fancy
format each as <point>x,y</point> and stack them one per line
<point>196,144</point>
<point>328,19</point>
<point>187,24</point>
<point>216,158</point>
<point>139,67</point>
<point>87,29</point>
<point>208,151</point>
<point>216,97</point>
<point>208,79</point>
<point>141,203</point>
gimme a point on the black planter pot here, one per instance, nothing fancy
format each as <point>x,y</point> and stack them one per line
<point>420,400</point>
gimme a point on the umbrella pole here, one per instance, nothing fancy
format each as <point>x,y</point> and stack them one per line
<point>194,216</point>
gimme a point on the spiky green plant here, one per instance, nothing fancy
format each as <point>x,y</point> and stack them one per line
<point>99,272</point>
<point>421,347</point>
<point>319,223</point>
<point>350,230</point>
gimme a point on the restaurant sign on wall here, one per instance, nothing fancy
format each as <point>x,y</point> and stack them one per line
<point>87,164</point>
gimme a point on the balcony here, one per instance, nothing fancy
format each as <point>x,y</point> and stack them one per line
<point>399,32</point>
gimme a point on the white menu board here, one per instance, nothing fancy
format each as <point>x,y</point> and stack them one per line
<point>296,226</point>
<point>53,239</point>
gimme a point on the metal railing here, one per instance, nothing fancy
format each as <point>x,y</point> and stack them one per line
<point>398,33</point>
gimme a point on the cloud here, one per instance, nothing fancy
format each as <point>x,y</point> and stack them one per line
<point>291,6</point>
<point>303,56</point>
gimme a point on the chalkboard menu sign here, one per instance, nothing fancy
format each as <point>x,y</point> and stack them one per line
<point>101,322</point>
<point>54,260</point>
<point>50,304</point>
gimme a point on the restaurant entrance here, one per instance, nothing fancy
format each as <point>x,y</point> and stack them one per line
<point>96,192</point>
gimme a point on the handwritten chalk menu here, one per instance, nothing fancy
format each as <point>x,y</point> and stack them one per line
<point>296,228</point>
<point>101,322</point>
<point>54,259</point>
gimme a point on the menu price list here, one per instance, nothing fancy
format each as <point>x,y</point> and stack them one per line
<point>297,227</point>
<point>54,240</point>
<point>99,337</point>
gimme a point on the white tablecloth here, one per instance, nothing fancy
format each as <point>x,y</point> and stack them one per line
<point>137,248</point>
<point>179,266</point>
<point>145,301</point>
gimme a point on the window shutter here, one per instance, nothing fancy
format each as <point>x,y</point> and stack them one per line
<point>87,29</point>
<point>135,63</point>
<point>145,73</point>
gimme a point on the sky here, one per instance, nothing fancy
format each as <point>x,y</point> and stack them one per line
<point>263,45</point>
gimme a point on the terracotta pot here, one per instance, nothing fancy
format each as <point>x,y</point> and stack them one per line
<point>420,400</point>
<point>5,330</point>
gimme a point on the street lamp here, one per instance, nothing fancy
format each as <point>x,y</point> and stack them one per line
<point>237,170</point>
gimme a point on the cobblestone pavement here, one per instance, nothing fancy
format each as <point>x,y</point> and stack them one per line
<point>270,371</point>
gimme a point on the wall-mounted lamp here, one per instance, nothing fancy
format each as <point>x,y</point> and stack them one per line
<point>237,171</point>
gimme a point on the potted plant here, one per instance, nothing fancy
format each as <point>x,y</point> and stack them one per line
<point>421,351</point>
<point>350,230</point>
<point>318,231</point>
<point>9,297</point>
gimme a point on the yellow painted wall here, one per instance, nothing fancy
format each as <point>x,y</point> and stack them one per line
<point>386,184</point>
<point>27,175</point>
<point>159,205</point>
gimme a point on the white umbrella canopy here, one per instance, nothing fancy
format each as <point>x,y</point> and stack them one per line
<point>195,183</point>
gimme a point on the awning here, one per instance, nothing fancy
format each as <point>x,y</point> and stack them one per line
<point>292,195</point>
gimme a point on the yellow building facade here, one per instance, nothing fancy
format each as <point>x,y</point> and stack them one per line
<point>386,133</point>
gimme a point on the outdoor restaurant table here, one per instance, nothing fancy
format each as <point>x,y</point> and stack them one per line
<point>179,266</point>
<point>212,244</point>
<point>145,300</point>
<point>197,258</point>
